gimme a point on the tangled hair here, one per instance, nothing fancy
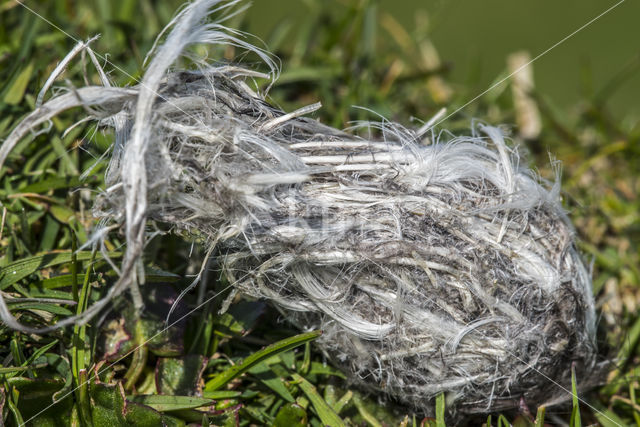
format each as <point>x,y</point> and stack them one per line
<point>433,263</point>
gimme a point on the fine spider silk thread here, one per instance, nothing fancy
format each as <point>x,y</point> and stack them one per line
<point>432,262</point>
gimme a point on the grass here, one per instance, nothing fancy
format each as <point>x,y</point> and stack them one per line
<point>249,366</point>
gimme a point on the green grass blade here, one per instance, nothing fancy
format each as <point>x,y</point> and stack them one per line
<point>51,230</point>
<point>39,352</point>
<point>440,411</point>
<point>16,351</point>
<point>342,402</point>
<point>49,308</point>
<point>291,415</point>
<point>364,413</point>
<point>27,364</point>
<point>74,267</point>
<point>540,416</point>
<point>259,356</point>
<point>55,183</point>
<point>306,360</point>
<point>632,397</point>
<point>607,418</point>
<point>65,157</point>
<point>221,394</point>
<point>318,368</point>
<point>14,410</point>
<point>16,91</point>
<point>575,412</point>
<point>170,403</point>
<point>629,344</point>
<point>269,378</point>
<point>20,269</point>
<point>326,414</point>
<point>78,356</point>
<point>309,74</point>
<point>17,369</point>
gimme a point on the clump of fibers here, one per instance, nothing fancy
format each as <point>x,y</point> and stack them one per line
<point>432,262</point>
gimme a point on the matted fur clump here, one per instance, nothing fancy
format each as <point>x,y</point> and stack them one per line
<point>434,263</point>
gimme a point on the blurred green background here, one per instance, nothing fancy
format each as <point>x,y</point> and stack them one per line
<point>473,38</point>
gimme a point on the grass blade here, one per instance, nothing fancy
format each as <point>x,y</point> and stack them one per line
<point>16,91</point>
<point>259,356</point>
<point>364,413</point>
<point>54,183</point>
<point>170,403</point>
<point>575,412</point>
<point>342,402</point>
<point>540,416</point>
<point>440,410</point>
<point>269,378</point>
<point>221,395</point>
<point>324,411</point>
<point>20,269</point>
<point>49,308</point>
